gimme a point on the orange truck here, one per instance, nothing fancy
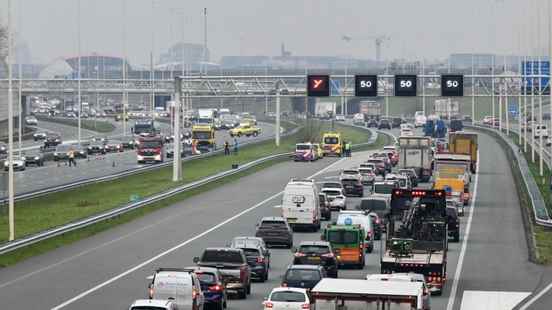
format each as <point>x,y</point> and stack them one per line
<point>461,142</point>
<point>453,171</point>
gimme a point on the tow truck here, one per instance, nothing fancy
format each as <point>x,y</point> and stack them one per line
<point>417,238</point>
<point>203,137</point>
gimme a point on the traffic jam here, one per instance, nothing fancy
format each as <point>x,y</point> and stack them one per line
<point>400,206</point>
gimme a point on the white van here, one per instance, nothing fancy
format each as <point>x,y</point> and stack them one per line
<point>177,284</point>
<point>364,220</point>
<point>301,204</point>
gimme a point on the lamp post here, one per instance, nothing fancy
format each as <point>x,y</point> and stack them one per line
<point>11,189</point>
<point>79,69</point>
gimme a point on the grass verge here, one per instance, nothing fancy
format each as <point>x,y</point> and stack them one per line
<point>53,210</point>
<point>89,124</point>
<point>542,236</point>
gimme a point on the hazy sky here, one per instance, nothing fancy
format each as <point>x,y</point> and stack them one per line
<point>418,28</point>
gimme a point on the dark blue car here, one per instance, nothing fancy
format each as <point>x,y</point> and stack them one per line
<point>214,290</point>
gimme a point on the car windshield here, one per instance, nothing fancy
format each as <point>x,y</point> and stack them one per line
<point>150,144</point>
<point>383,189</point>
<point>202,135</point>
<point>302,275</point>
<point>365,171</point>
<point>287,296</point>
<point>251,252</point>
<point>272,223</point>
<point>245,243</point>
<point>206,278</point>
<point>302,147</point>
<point>349,182</point>
<point>332,193</point>
<point>332,185</point>
<point>342,236</point>
<point>331,140</point>
<point>314,249</point>
<point>350,172</point>
<point>147,308</point>
<point>373,204</point>
<point>222,256</point>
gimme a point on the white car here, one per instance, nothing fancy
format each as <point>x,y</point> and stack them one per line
<point>419,119</point>
<point>336,198</point>
<point>18,165</point>
<point>367,176</point>
<point>288,298</point>
<point>340,118</point>
<point>31,121</point>
<point>156,304</point>
<point>350,174</point>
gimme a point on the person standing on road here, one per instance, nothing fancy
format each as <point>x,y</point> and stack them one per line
<point>71,157</point>
<point>226,148</point>
<point>235,146</point>
<point>348,147</point>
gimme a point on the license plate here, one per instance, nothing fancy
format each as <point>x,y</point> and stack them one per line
<point>292,220</point>
<point>314,259</point>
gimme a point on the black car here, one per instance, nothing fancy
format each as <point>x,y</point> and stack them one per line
<point>353,187</point>
<point>257,260</point>
<point>36,159</point>
<point>112,146</point>
<point>275,231</point>
<point>39,136</point>
<point>453,223</point>
<point>456,125</point>
<point>61,151</point>
<point>384,124</point>
<point>372,123</point>
<point>95,147</point>
<point>169,151</point>
<point>303,276</point>
<point>396,122</point>
<point>52,140</point>
<point>317,253</point>
<point>325,210</point>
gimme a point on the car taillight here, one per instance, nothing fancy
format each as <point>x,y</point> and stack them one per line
<point>299,254</point>
<point>369,236</point>
<point>268,304</point>
<point>242,273</point>
<point>378,220</point>
<point>328,255</point>
<point>305,306</point>
<point>194,293</point>
<point>284,284</point>
<point>151,293</point>
<point>215,288</point>
<point>260,260</point>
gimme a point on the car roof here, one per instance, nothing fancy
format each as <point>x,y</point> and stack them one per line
<point>273,218</point>
<point>304,267</point>
<point>321,243</point>
<point>289,289</point>
<point>151,302</point>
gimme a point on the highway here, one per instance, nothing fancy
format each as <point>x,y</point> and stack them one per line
<point>109,270</point>
<point>53,173</point>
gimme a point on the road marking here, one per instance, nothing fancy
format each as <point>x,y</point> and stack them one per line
<point>178,246</point>
<point>490,300</point>
<point>458,272</point>
<point>536,297</point>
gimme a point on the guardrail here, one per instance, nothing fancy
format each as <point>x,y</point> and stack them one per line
<point>118,175</point>
<point>540,212</point>
<point>29,240</point>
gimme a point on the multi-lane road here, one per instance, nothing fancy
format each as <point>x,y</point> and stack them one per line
<point>488,268</point>
<point>53,174</point>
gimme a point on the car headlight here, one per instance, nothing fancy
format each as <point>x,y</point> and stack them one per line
<point>37,158</point>
<point>56,154</point>
<point>23,158</point>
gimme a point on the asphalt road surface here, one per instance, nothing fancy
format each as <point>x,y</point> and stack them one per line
<point>109,270</point>
<point>58,173</point>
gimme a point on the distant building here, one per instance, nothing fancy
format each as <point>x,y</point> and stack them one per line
<point>187,53</point>
<point>97,66</point>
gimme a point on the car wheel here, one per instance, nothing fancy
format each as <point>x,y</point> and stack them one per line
<point>255,134</point>
<point>457,237</point>
<point>248,290</point>
<point>242,294</point>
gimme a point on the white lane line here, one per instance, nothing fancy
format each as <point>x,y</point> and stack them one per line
<point>457,274</point>
<point>178,246</point>
<point>491,300</point>
<point>536,297</point>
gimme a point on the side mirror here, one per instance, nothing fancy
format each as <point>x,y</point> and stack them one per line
<point>196,260</point>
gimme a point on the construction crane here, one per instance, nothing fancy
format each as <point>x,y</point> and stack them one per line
<point>379,40</point>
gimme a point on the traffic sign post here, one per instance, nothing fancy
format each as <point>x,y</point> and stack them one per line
<point>452,85</point>
<point>405,85</point>
<point>366,85</point>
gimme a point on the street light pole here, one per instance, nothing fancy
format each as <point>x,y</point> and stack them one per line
<point>11,189</point>
<point>278,116</point>
<point>124,68</point>
<point>177,164</point>
<point>79,68</point>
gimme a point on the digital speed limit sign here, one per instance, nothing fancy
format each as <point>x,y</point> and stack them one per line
<point>452,85</point>
<point>366,85</point>
<point>405,85</point>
